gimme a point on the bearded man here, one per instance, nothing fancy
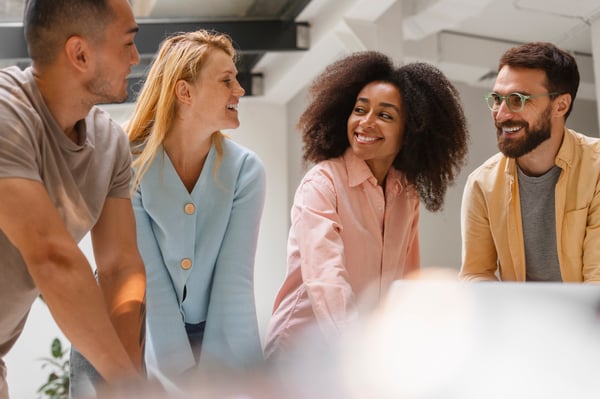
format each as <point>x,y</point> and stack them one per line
<point>532,211</point>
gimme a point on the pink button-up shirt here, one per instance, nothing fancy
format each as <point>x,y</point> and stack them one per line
<point>347,237</point>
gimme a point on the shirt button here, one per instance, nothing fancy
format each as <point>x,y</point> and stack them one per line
<point>185,263</point>
<point>189,208</point>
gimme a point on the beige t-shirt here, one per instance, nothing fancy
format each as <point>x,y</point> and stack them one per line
<point>78,177</point>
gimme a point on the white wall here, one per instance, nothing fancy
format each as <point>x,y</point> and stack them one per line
<point>263,130</point>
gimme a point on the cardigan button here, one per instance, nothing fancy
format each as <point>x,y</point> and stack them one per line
<point>189,208</point>
<point>185,263</point>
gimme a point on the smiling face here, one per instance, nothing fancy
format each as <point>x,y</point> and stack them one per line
<point>114,57</point>
<point>519,133</point>
<point>376,126</point>
<point>216,93</point>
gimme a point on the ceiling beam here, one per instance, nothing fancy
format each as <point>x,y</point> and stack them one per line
<point>250,81</point>
<point>328,23</point>
<point>251,38</point>
<point>248,36</point>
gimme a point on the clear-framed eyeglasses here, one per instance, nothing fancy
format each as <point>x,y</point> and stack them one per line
<point>514,101</point>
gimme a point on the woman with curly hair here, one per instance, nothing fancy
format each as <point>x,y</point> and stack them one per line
<point>383,139</point>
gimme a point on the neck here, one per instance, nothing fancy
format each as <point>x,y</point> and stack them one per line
<point>186,147</point>
<point>187,153</point>
<point>543,158</point>
<point>379,170</point>
<point>63,98</point>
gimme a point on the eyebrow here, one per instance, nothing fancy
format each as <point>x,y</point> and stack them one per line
<point>524,92</point>
<point>386,105</point>
<point>135,29</point>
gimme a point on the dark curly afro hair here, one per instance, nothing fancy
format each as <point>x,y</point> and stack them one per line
<point>435,138</point>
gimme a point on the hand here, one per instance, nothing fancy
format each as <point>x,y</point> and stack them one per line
<point>137,388</point>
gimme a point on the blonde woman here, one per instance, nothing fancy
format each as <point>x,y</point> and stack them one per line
<point>198,199</point>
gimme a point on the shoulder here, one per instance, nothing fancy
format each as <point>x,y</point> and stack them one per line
<point>101,120</point>
<point>14,77</point>
<point>491,166</point>
<point>236,151</point>
<point>19,98</point>
<point>490,172</point>
<point>104,130</point>
<point>592,144</point>
<point>580,155</point>
<point>241,160</point>
<point>22,114</point>
<point>330,167</point>
<point>239,172</point>
<point>326,174</point>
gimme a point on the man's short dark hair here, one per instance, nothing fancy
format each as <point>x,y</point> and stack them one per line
<point>562,74</point>
<point>49,24</point>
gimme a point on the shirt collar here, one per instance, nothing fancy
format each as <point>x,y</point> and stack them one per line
<point>566,150</point>
<point>359,172</point>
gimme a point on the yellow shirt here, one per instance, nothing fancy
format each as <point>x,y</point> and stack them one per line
<point>492,234</point>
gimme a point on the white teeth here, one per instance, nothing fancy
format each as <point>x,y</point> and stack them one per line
<point>511,129</point>
<point>232,106</point>
<point>365,139</point>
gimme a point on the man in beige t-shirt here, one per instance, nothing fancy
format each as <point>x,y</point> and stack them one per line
<point>64,171</point>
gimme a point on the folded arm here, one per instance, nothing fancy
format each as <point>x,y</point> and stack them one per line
<point>232,303</point>
<point>479,256</point>
<point>591,243</point>
<point>168,345</point>
<point>317,228</point>
<point>63,276</point>
<point>121,275</point>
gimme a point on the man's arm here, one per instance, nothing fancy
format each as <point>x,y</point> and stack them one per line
<point>591,242</point>
<point>63,275</point>
<point>121,274</point>
<point>479,256</point>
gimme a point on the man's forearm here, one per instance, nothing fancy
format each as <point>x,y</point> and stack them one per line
<point>124,295</point>
<point>76,303</point>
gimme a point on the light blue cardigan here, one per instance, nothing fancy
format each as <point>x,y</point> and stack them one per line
<point>220,239</point>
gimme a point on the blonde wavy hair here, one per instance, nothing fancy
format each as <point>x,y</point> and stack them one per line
<point>180,57</point>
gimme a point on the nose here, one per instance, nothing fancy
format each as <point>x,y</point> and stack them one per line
<point>135,56</point>
<point>503,113</point>
<point>368,120</point>
<point>238,91</point>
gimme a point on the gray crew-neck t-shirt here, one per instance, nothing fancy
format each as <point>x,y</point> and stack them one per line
<point>539,225</point>
<point>78,177</point>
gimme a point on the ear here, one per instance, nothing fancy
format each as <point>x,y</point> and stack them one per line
<point>562,104</point>
<point>183,91</point>
<point>77,52</point>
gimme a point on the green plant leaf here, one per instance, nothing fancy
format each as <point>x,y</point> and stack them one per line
<point>56,349</point>
<point>57,384</point>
